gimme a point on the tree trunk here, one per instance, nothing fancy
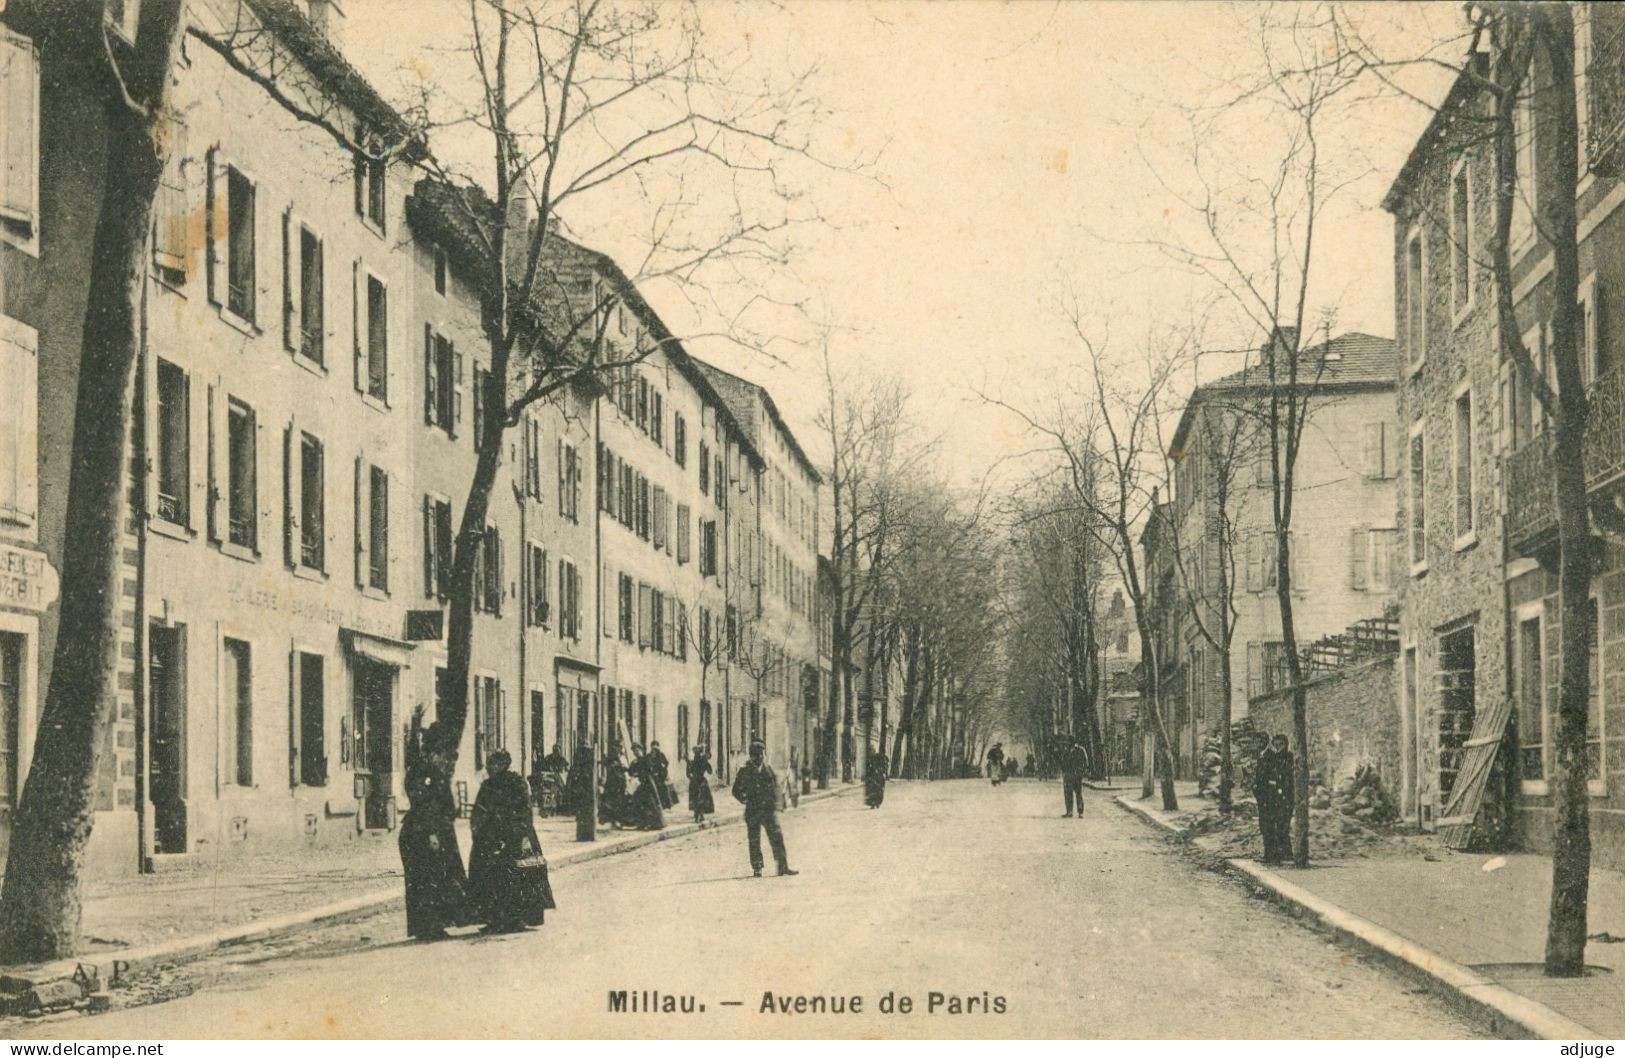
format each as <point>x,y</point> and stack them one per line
<point>41,913</point>
<point>1300,702</point>
<point>1227,776</point>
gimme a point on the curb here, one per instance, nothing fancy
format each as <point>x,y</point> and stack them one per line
<point>110,966</point>
<point>1510,1014</point>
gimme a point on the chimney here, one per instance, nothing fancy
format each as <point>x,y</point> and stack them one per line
<point>328,18</point>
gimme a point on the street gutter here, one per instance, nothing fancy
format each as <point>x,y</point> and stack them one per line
<point>101,966</point>
<point>1509,1014</point>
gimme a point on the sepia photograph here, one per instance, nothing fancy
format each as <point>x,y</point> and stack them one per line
<point>882,520</point>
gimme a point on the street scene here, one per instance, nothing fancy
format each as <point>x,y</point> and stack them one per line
<point>865,518</point>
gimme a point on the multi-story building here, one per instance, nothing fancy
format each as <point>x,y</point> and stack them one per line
<point>312,374</point>
<point>1343,541</point>
<point>1479,613</point>
<point>776,554</point>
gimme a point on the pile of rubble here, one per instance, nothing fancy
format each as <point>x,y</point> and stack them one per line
<point>1246,743</point>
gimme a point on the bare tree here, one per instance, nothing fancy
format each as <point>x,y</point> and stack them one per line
<point>41,913</point>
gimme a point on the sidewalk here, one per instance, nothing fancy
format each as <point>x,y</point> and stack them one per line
<point>180,913</point>
<point>1471,926</point>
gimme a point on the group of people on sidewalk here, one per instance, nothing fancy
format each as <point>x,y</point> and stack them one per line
<point>505,888</point>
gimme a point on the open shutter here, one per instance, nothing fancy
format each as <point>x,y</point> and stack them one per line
<point>362,510</point>
<point>480,732</point>
<point>292,278</point>
<point>431,391</point>
<point>430,559</point>
<point>458,383</point>
<point>294,684</point>
<point>19,128</point>
<point>169,235</point>
<point>1250,545</point>
<point>219,459</point>
<point>197,425</point>
<point>19,424</point>
<point>1359,542</point>
<point>290,476</point>
<point>358,323</point>
<point>558,454</point>
<point>1255,668</point>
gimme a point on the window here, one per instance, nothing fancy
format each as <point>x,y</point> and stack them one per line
<point>377,554</point>
<point>440,273</point>
<point>684,735</point>
<point>679,440</point>
<point>19,422</point>
<point>1594,359</point>
<point>645,616</point>
<point>174,436</point>
<point>705,469</point>
<point>1418,501</point>
<point>679,632</point>
<point>436,547</point>
<point>1529,678</point>
<point>240,264</point>
<point>369,183</point>
<point>657,620</point>
<point>536,590</point>
<point>1267,669</point>
<point>1462,467</point>
<point>237,684</point>
<point>642,408</point>
<point>488,585</point>
<point>310,730</point>
<point>19,140</point>
<point>488,702</point>
<point>306,298</point>
<point>708,548</point>
<point>569,463</point>
<point>626,599</point>
<point>1524,194</point>
<point>1379,450</point>
<point>312,504</point>
<point>373,374</point>
<point>1595,751</point>
<point>659,518</point>
<point>1371,559</point>
<point>657,418</point>
<point>242,503</point>
<point>1461,276</point>
<point>442,374</point>
<point>684,533</point>
<point>1415,300</point>
<point>533,457</point>
<point>569,600</point>
<point>481,375</point>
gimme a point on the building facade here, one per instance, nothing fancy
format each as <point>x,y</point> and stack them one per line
<point>1480,649</point>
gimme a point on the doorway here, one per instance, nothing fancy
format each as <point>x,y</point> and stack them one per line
<point>371,717</point>
<point>1457,705</point>
<point>166,755</point>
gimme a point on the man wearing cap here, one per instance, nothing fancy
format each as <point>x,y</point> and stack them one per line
<point>757,788</point>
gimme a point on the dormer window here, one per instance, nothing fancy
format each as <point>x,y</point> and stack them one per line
<point>369,182</point>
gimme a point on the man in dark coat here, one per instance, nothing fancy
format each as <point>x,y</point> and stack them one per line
<point>995,763</point>
<point>1272,785</point>
<point>1074,763</point>
<point>757,788</point>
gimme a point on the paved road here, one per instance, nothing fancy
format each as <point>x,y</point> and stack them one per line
<point>1093,928</point>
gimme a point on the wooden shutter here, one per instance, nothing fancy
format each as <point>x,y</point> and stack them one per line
<point>19,129</point>
<point>1359,542</point>
<point>429,557</point>
<point>216,219</point>
<point>363,512</point>
<point>431,380</point>
<point>219,460</point>
<point>456,391</point>
<point>1255,668</point>
<point>19,424</point>
<point>359,323</point>
<point>292,278</point>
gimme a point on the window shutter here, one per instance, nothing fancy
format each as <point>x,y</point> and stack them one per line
<point>480,731</point>
<point>362,512</point>
<point>1255,668</point>
<point>358,323</point>
<point>429,557</point>
<point>19,419</point>
<point>1359,540</point>
<point>171,218</point>
<point>290,486</point>
<point>219,459</point>
<point>1251,546</point>
<point>216,222</point>
<point>19,129</point>
<point>457,391</point>
<point>197,503</point>
<point>501,579</point>
<point>431,390</point>
<point>292,276</point>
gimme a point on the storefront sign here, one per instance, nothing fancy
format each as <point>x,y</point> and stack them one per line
<point>28,581</point>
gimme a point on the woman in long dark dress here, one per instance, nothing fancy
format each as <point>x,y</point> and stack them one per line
<point>436,887</point>
<point>612,805</point>
<point>508,893</point>
<point>699,785</point>
<point>644,810</point>
<point>874,780</point>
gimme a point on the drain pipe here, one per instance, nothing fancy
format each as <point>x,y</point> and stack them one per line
<point>143,838</point>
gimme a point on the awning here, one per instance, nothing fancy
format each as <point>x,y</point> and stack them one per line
<point>396,652</point>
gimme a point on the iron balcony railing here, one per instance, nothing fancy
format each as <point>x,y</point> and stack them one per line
<point>1531,470</point>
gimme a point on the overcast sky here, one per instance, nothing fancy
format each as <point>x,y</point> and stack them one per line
<point>1023,149</point>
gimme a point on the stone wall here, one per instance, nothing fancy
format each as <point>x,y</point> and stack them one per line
<point>1352,721</point>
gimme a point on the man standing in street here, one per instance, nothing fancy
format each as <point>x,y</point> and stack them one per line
<point>1272,785</point>
<point>1074,762</point>
<point>757,788</point>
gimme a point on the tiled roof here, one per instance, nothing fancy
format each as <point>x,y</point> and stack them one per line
<point>742,395</point>
<point>1352,359</point>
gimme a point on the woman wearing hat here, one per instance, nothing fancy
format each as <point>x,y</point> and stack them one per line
<point>507,877</point>
<point>699,784</point>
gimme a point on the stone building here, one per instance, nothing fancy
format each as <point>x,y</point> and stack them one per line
<point>1477,503</point>
<point>1343,535</point>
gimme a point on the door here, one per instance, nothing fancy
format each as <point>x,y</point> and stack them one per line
<point>11,706</point>
<point>166,754</point>
<point>371,714</point>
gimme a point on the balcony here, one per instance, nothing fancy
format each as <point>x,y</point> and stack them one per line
<point>1531,474</point>
<point>1605,89</point>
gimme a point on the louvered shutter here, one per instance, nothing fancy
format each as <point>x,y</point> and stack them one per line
<point>1359,542</point>
<point>219,460</point>
<point>19,128</point>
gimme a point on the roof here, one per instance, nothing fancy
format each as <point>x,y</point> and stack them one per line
<point>317,54</point>
<point>1460,90</point>
<point>435,213</point>
<point>742,394</point>
<point>1350,361</point>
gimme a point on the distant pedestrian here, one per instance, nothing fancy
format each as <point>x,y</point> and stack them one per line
<point>613,804</point>
<point>699,784</point>
<point>660,771</point>
<point>507,874</point>
<point>757,788</point>
<point>436,886</point>
<point>1074,763</point>
<point>1272,786</point>
<point>874,779</point>
<point>995,763</point>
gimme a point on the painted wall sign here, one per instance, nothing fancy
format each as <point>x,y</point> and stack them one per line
<point>27,579</point>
